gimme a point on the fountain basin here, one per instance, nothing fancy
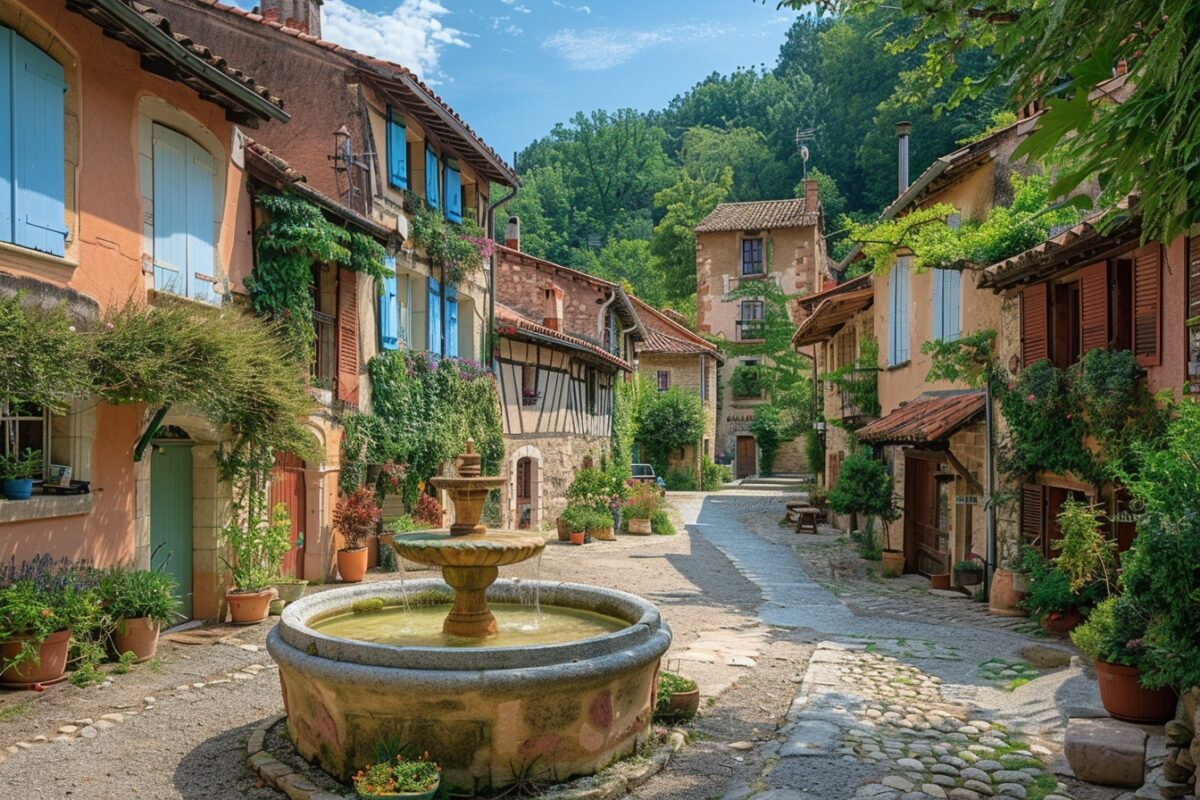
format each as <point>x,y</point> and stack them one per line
<point>491,716</point>
<point>441,548</point>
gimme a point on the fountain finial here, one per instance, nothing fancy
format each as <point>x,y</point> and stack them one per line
<point>469,462</point>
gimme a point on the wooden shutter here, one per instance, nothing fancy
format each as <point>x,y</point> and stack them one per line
<point>38,149</point>
<point>389,311</point>
<point>432,179</point>
<point>898,312</point>
<point>1193,277</point>
<point>347,327</point>
<point>1147,305</point>
<point>1035,340</point>
<point>170,211</point>
<point>1033,514</point>
<point>453,194</point>
<point>397,150</point>
<point>1093,303</point>
<point>200,171</point>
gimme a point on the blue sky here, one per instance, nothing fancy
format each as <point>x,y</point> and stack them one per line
<point>513,68</point>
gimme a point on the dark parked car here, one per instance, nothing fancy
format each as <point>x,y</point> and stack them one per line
<point>644,473</point>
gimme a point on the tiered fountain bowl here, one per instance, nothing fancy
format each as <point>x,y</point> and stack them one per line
<point>465,668</point>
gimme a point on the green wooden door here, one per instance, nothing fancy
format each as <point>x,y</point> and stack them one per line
<point>171,516</point>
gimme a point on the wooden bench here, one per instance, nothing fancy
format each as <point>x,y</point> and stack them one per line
<point>793,508</point>
<point>806,519</point>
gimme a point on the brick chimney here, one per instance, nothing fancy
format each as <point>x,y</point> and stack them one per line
<point>512,233</point>
<point>810,195</point>
<point>303,15</point>
<point>554,307</point>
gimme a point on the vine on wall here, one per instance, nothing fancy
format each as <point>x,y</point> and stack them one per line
<point>458,248</point>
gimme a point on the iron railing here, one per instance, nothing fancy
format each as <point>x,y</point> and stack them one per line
<point>324,365</point>
<point>860,394</point>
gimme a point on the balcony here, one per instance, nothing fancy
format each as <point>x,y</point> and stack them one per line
<point>324,365</point>
<point>751,330</point>
<point>860,395</point>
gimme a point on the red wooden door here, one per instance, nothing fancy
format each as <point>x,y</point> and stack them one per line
<point>287,487</point>
<point>524,494</point>
<point>746,457</point>
<point>926,515</point>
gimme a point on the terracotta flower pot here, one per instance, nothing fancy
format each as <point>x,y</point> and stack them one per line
<point>640,527</point>
<point>1124,697</point>
<point>684,705</point>
<point>138,636</point>
<point>352,564</point>
<point>1060,623</point>
<point>578,537</point>
<point>50,665</point>
<point>1003,598</point>
<point>602,534</point>
<point>893,562</point>
<point>249,608</point>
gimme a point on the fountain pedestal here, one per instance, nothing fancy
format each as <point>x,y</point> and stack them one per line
<point>470,615</point>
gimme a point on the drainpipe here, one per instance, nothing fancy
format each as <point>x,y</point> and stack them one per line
<point>491,234</point>
<point>991,488</point>
<point>603,311</point>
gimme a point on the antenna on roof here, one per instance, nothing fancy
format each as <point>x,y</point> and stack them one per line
<point>804,135</point>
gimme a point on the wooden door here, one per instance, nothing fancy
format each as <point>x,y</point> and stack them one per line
<point>171,516</point>
<point>746,457</point>
<point>287,487</point>
<point>524,494</point>
<point>927,517</point>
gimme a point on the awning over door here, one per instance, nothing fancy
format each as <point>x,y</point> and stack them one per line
<point>929,418</point>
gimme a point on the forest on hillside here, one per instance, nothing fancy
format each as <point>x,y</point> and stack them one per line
<point>617,193</point>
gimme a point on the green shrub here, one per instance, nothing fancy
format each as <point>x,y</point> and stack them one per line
<point>1113,632</point>
<point>1085,554</point>
<point>660,523</point>
<point>1049,592</point>
<point>576,517</point>
<point>644,500</point>
<point>130,594</point>
<point>671,420</point>
<point>713,476</point>
<point>770,432</point>
<point>402,524</point>
<point>680,479</point>
<point>396,777</point>
<point>258,548</point>
<point>592,487</point>
<point>748,380</point>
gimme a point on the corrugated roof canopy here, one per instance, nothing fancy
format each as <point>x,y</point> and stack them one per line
<point>929,418</point>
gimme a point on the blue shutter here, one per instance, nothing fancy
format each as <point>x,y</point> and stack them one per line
<point>435,317</point>
<point>898,312</point>
<point>397,151</point>
<point>451,322</point>
<point>201,265</point>
<point>952,292</point>
<point>902,334</point>
<point>389,309</point>
<point>432,180</point>
<point>6,164</point>
<point>939,299</point>
<point>453,195</point>
<point>38,151</point>
<point>170,211</point>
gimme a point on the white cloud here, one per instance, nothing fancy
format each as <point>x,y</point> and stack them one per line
<point>518,7</point>
<point>411,34</point>
<point>581,9</point>
<point>601,48</point>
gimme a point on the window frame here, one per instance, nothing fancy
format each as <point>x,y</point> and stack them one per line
<point>751,241</point>
<point>664,380</point>
<point>10,424</point>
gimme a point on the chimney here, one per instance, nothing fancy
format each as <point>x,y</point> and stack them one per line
<point>303,15</point>
<point>512,233</point>
<point>554,307</point>
<point>810,195</point>
<point>903,130</point>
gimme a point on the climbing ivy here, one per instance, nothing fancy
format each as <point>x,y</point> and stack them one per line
<point>296,235</point>
<point>967,359</point>
<point>457,248</point>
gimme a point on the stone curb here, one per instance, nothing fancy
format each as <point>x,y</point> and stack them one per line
<point>297,787</point>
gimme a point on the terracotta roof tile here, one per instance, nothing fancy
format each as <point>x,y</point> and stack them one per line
<point>929,418</point>
<point>665,335</point>
<point>507,316</point>
<point>832,313</point>
<point>759,215</point>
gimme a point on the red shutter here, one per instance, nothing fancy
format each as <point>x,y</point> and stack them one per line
<point>1093,313</point>
<point>1147,305</point>
<point>347,327</point>
<point>1033,514</point>
<point>1035,341</point>
<point>1193,277</point>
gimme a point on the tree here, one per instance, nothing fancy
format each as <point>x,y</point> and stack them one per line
<point>632,263</point>
<point>1147,143</point>
<point>864,487</point>
<point>769,434</point>
<point>669,421</point>
<point>686,203</point>
<point>708,152</point>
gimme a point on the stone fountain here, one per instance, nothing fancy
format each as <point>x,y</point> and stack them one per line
<point>496,690</point>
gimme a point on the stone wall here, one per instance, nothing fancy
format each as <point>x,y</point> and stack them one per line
<point>521,284</point>
<point>555,460</point>
<point>1182,765</point>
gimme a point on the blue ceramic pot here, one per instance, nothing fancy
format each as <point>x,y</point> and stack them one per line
<point>17,488</point>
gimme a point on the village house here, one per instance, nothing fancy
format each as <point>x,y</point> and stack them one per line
<point>128,162</point>
<point>672,355</point>
<point>781,241</point>
<point>564,341</point>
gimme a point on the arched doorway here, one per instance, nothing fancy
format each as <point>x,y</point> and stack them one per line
<point>287,487</point>
<point>171,511</point>
<point>524,493</point>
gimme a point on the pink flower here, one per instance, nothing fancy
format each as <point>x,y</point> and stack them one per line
<point>1031,397</point>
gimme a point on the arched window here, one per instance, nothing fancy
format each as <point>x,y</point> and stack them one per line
<point>184,227</point>
<point>32,154</point>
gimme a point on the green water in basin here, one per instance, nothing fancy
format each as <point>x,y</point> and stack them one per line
<point>519,625</point>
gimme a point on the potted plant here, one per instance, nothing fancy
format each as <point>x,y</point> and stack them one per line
<point>1021,565</point>
<point>644,500</point>
<point>576,518</point>
<point>969,571</point>
<point>599,525</point>
<point>139,602</point>
<point>1113,638</point>
<point>678,698</point>
<point>39,608</point>
<point>258,549</point>
<point>1004,596</point>
<point>414,780</point>
<point>289,589</point>
<point>356,516</point>
<point>17,472</point>
<point>1051,600</point>
<point>865,487</point>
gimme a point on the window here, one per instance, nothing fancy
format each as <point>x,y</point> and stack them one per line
<point>183,217</point>
<point>898,312</point>
<point>664,380</point>
<point>453,194</point>
<point>847,348</point>
<point>529,385</point>
<point>703,378</point>
<point>25,427</point>
<point>1065,322</point>
<point>397,150</point>
<point>752,256</point>
<point>947,304</point>
<point>593,390</point>
<point>32,147</point>
<point>432,182</point>
<point>750,326</point>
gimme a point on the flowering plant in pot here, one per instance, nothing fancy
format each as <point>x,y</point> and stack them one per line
<point>413,779</point>
<point>258,547</point>
<point>1051,600</point>
<point>17,472</point>
<point>40,604</point>
<point>969,571</point>
<point>140,603</point>
<point>429,511</point>
<point>678,698</point>
<point>356,517</point>
<point>644,500</point>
